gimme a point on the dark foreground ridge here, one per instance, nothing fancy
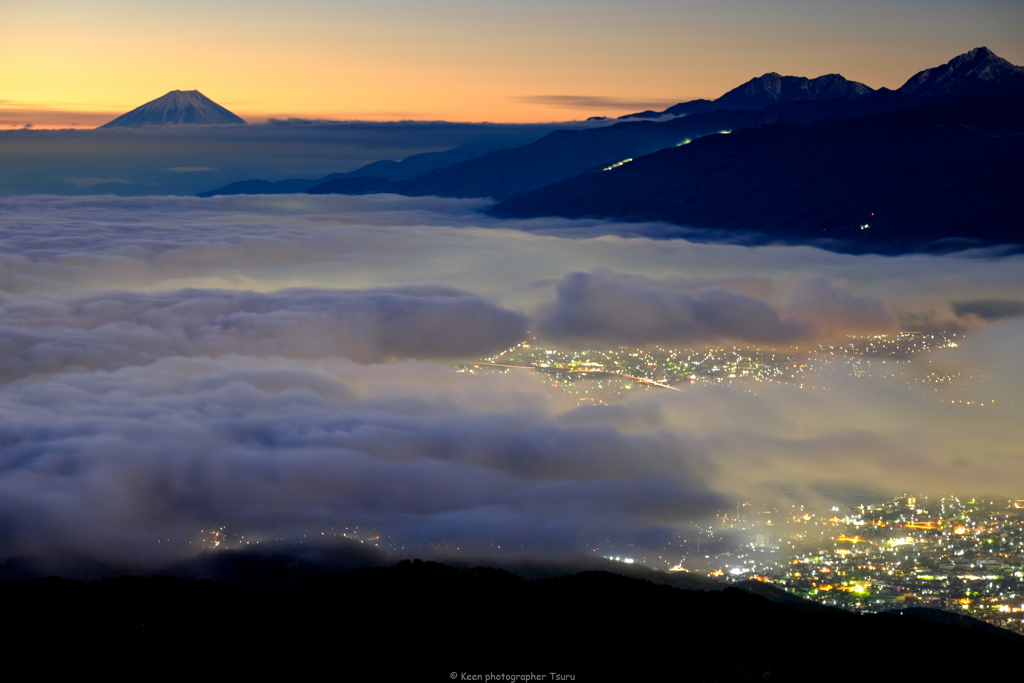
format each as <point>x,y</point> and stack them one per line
<point>429,620</point>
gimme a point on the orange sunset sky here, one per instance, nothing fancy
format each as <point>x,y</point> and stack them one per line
<point>79,64</point>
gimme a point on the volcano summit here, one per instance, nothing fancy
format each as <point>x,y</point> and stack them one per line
<point>176,107</point>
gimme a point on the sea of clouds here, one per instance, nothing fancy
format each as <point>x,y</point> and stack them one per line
<point>279,364</point>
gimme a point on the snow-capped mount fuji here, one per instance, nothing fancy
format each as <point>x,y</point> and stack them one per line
<point>177,107</point>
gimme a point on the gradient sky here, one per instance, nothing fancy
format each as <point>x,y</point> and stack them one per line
<point>65,62</point>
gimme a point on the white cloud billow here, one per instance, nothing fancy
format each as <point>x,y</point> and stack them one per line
<point>169,363</point>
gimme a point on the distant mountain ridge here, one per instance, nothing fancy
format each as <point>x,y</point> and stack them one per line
<point>381,171</point>
<point>178,107</point>
<point>558,155</point>
<point>767,90</point>
<point>808,161</point>
<point>977,72</point>
<point>941,175</point>
<point>771,88</point>
<point>564,154</point>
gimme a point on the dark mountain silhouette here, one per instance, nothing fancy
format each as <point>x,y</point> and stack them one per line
<point>648,114</point>
<point>175,108</point>
<point>770,98</point>
<point>558,155</point>
<point>565,154</point>
<point>410,167</point>
<point>681,109</point>
<point>257,186</point>
<point>978,72</point>
<point>901,181</point>
<point>500,173</point>
<point>764,91</point>
<point>435,622</point>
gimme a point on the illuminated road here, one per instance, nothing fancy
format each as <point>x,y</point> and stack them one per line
<point>580,371</point>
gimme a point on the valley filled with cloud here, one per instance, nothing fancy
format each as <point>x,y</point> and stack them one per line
<point>286,365</point>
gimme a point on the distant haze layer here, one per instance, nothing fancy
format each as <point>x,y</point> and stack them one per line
<point>191,159</point>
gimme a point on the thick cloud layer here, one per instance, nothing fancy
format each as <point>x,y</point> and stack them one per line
<point>113,329</point>
<point>173,364</point>
<point>605,306</point>
<point>106,464</point>
<point>60,244</point>
<point>832,309</point>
